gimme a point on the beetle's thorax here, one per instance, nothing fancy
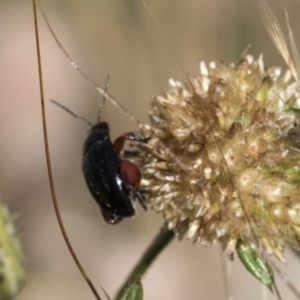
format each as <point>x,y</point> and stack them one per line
<point>99,133</point>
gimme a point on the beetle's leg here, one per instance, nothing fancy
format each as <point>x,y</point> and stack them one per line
<point>119,141</point>
<point>130,153</point>
<point>141,198</point>
<point>131,177</point>
<point>130,174</point>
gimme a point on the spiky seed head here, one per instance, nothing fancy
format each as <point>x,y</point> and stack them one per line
<point>221,164</point>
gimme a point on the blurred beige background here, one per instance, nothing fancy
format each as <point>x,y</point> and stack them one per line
<point>119,38</point>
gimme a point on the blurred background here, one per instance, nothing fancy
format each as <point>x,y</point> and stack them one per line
<point>117,38</point>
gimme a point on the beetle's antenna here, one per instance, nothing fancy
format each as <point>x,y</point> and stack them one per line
<point>101,107</point>
<point>48,160</point>
<point>101,90</point>
<point>76,116</point>
<point>71,112</point>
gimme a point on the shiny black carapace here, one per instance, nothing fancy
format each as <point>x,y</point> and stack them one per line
<point>113,182</point>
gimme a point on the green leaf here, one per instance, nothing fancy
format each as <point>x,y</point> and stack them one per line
<point>135,291</point>
<point>258,267</point>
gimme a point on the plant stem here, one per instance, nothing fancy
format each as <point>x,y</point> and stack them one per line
<point>157,245</point>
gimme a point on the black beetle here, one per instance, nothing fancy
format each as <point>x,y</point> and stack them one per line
<point>113,182</point>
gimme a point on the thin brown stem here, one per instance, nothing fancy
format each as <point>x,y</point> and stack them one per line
<point>48,160</point>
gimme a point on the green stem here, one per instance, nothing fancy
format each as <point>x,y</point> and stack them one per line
<point>157,245</point>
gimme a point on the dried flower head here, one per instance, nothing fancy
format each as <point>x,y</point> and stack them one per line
<point>223,163</point>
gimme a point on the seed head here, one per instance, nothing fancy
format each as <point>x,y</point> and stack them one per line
<point>223,163</point>
<point>12,272</point>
